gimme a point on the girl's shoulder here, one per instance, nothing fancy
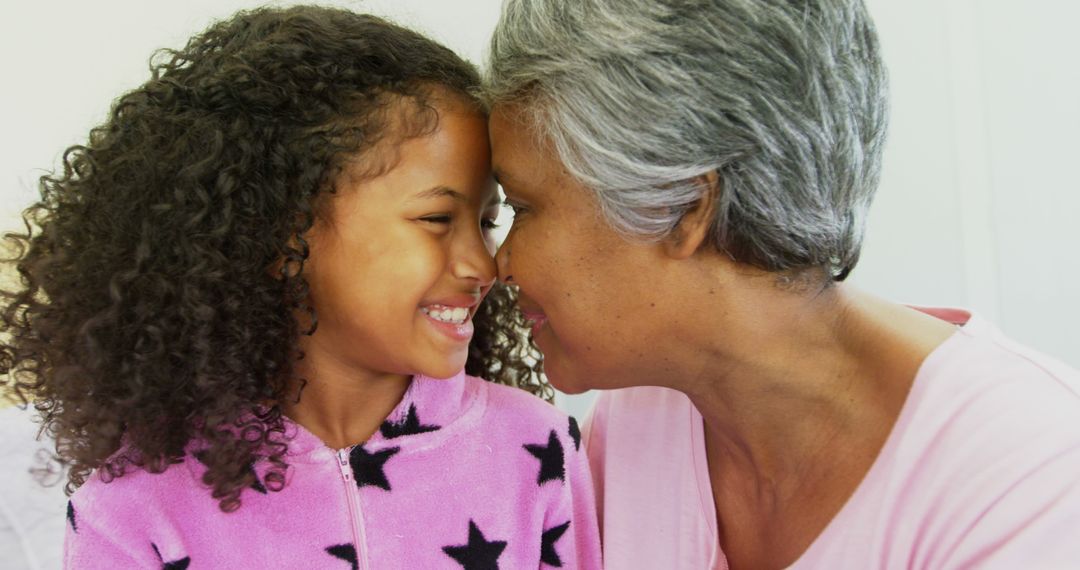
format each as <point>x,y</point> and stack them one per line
<point>513,400</point>
<point>518,411</point>
<point>126,502</point>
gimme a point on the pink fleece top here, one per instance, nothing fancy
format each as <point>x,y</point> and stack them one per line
<point>981,470</point>
<point>463,474</point>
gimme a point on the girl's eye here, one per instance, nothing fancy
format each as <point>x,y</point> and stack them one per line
<point>438,219</point>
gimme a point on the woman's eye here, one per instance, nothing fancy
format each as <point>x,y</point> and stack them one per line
<point>517,209</point>
<point>488,224</point>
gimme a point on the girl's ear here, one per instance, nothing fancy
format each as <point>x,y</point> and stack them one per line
<point>693,229</point>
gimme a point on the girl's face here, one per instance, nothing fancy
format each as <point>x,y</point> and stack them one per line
<point>399,262</point>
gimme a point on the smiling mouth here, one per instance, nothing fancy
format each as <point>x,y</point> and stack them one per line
<point>447,314</point>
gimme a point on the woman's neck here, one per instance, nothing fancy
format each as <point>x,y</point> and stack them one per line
<point>832,367</point>
<point>797,407</point>
<point>340,403</point>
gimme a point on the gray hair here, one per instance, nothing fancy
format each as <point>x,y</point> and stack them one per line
<point>785,100</point>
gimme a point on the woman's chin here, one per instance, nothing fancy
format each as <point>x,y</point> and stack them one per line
<point>565,383</point>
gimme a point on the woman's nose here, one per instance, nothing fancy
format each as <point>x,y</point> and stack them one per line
<point>502,262</point>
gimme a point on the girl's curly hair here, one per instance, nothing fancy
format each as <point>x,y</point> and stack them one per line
<point>159,276</point>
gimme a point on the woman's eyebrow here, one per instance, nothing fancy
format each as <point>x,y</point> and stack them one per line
<point>502,179</point>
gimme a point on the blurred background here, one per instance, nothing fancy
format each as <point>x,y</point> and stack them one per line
<point>979,205</point>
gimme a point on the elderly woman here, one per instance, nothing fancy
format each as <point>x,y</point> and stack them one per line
<point>690,181</point>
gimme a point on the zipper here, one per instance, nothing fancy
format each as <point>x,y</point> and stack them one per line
<point>356,518</point>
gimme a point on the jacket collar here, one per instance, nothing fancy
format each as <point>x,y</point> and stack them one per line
<point>430,410</point>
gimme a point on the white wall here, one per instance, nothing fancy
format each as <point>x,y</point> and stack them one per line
<point>978,205</point>
<point>979,201</point>
<point>65,60</point>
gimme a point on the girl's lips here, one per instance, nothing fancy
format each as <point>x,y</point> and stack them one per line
<point>467,302</point>
<point>456,332</point>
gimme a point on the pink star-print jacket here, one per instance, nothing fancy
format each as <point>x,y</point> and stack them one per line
<point>463,474</point>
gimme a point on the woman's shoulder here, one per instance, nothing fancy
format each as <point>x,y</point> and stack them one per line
<point>652,402</point>
<point>983,457</point>
<point>644,415</point>
<point>983,405</point>
<point>980,369</point>
<point>979,348</point>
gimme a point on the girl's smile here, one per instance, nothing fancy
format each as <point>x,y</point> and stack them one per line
<point>454,320</point>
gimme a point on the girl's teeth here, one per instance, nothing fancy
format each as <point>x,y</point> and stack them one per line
<point>456,315</point>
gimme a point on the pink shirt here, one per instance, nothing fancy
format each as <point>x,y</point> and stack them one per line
<point>463,474</point>
<point>981,470</point>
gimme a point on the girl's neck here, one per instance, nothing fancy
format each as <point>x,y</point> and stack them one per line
<point>339,403</point>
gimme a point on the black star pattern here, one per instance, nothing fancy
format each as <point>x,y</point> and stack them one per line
<point>548,555</point>
<point>181,564</point>
<point>345,552</point>
<point>479,553</point>
<point>256,484</point>
<point>551,459</point>
<point>575,433</point>
<point>368,467</point>
<point>409,426</point>
<point>71,517</point>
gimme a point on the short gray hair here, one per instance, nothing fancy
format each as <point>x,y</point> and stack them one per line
<point>786,100</point>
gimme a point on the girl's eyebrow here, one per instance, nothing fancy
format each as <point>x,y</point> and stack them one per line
<point>439,192</point>
<point>445,191</point>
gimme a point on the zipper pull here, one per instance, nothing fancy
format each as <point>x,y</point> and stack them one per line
<point>343,464</point>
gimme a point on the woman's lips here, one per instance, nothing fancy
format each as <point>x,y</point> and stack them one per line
<point>536,319</point>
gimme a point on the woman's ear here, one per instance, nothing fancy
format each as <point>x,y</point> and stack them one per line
<point>693,229</point>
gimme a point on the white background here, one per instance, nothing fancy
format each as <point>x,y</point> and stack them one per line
<point>979,199</point>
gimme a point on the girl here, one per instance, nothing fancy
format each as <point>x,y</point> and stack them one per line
<point>249,305</point>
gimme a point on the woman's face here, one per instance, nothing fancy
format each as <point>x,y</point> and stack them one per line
<point>596,299</point>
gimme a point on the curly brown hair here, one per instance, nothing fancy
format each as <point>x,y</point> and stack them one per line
<point>159,275</point>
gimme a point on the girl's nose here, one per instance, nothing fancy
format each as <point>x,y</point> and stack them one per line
<point>474,262</point>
